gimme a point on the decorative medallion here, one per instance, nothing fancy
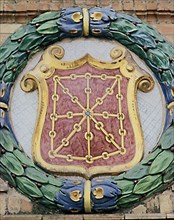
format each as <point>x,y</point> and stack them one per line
<point>88,123</point>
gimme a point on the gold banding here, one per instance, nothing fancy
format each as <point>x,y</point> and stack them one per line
<point>3,105</point>
<point>87,196</point>
<point>146,84</point>
<point>85,22</point>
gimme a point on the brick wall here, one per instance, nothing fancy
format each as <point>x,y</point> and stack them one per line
<point>160,14</point>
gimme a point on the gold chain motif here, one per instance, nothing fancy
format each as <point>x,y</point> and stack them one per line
<point>87,114</point>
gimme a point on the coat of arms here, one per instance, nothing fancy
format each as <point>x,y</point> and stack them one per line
<point>88,121</point>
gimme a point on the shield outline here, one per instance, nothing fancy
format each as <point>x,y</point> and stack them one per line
<point>36,79</point>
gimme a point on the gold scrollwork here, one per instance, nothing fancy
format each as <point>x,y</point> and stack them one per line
<point>57,52</point>
<point>146,84</point>
<point>28,84</point>
<point>118,53</point>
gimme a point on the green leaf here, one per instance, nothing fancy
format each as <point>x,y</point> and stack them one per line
<point>160,188</point>
<point>147,184</point>
<point>138,50</point>
<point>123,26</point>
<point>129,18</point>
<point>119,177</point>
<point>8,48</point>
<point>19,69</point>
<point>122,38</point>
<point>166,77</point>
<point>167,48</point>
<point>7,140</point>
<point>49,191</point>
<point>8,76</point>
<point>161,162</point>
<point>169,174</point>
<point>49,27</point>
<point>30,41</point>
<point>36,175</point>
<point>46,17</point>
<point>158,58</point>
<point>148,29</point>
<point>55,181</point>
<point>167,139</point>
<point>23,158</point>
<point>7,175</point>
<point>15,60</point>
<point>137,172</point>
<point>143,39</point>
<point>126,186</point>
<point>151,156</point>
<point>128,199</point>
<point>34,51</point>
<point>22,31</point>
<point>2,70</point>
<point>28,187</point>
<point>12,163</point>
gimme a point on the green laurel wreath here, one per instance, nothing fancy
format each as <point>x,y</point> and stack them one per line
<point>152,174</point>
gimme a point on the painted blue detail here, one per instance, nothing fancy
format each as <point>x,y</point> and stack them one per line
<point>5,89</point>
<point>87,113</point>
<point>63,196</point>
<point>111,193</point>
<point>68,27</point>
<point>100,28</point>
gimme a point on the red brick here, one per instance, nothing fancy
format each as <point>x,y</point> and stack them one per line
<point>106,3</point>
<point>43,7</point>
<point>91,2</point>
<point>165,28</point>
<point>21,19</point>
<point>8,7</point>
<point>67,3</point>
<point>117,6</point>
<point>3,37</point>
<point>163,7</point>
<point>22,217</point>
<point>21,7</point>
<point>140,7</point>
<point>151,18</point>
<point>152,6</point>
<point>55,7</point>
<point>128,6</point>
<point>32,7</point>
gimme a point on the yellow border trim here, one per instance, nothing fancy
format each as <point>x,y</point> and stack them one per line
<point>87,196</point>
<point>45,69</point>
<point>85,22</point>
